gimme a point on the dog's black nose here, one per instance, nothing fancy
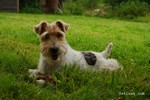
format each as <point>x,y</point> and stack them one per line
<point>54,50</point>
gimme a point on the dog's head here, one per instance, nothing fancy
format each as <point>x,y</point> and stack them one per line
<point>53,43</point>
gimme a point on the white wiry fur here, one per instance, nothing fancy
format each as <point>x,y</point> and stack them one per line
<point>75,57</point>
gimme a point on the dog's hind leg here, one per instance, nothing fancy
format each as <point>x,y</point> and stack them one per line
<point>107,51</point>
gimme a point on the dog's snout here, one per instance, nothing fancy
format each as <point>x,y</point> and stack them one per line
<point>54,50</point>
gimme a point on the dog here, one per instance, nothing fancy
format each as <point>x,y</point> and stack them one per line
<point>55,52</point>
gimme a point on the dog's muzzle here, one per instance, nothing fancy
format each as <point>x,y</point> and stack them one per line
<point>54,53</point>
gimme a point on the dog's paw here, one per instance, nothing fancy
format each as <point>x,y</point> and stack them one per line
<point>41,82</point>
<point>33,73</point>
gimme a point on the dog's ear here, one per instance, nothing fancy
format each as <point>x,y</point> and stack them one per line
<point>62,25</point>
<point>41,27</point>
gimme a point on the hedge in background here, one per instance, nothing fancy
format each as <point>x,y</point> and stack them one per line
<point>30,6</point>
<point>133,9</point>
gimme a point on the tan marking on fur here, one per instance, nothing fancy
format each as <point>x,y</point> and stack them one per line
<point>53,37</point>
<point>41,27</point>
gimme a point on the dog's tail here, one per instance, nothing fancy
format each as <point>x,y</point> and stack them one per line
<point>107,51</point>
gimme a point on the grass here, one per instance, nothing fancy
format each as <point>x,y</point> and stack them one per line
<point>19,51</point>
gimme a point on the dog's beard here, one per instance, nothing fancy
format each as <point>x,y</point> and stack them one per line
<point>54,56</point>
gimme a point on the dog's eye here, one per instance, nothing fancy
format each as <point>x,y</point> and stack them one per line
<point>59,35</point>
<point>47,36</point>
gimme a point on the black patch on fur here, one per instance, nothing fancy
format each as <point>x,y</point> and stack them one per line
<point>90,58</point>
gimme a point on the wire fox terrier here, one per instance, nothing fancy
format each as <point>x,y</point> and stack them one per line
<point>55,52</point>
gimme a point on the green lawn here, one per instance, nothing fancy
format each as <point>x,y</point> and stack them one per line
<point>19,51</point>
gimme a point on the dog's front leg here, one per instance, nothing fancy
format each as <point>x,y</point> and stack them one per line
<point>40,72</point>
<point>40,69</point>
